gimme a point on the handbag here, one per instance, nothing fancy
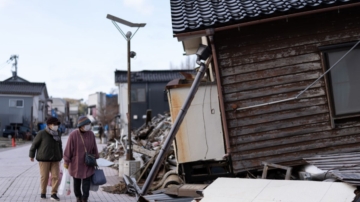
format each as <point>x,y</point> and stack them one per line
<point>89,159</point>
<point>99,177</point>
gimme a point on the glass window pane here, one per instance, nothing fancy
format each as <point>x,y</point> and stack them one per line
<point>19,103</point>
<point>141,95</point>
<point>345,81</point>
<point>138,95</point>
<point>133,95</point>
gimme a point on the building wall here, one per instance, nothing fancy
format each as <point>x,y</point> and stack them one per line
<point>36,108</point>
<point>10,115</point>
<point>155,99</point>
<point>138,109</point>
<point>274,61</point>
<point>158,101</point>
<point>42,110</point>
<point>59,104</point>
<point>92,99</point>
<point>98,100</point>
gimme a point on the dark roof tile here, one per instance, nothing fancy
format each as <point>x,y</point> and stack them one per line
<point>188,15</point>
<point>24,88</point>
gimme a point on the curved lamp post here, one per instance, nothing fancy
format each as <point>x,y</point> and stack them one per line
<point>130,54</point>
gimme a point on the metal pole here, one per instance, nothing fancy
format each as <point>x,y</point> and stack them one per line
<point>129,154</point>
<point>174,129</point>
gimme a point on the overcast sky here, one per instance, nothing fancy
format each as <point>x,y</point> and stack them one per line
<point>74,49</point>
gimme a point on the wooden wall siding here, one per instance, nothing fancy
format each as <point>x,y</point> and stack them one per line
<point>274,61</point>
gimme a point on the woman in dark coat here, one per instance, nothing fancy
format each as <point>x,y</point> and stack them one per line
<point>79,141</point>
<point>47,146</point>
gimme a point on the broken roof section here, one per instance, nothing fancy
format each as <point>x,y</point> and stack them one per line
<point>345,167</point>
<point>188,15</point>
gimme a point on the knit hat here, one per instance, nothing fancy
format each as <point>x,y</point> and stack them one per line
<point>82,121</point>
<point>53,120</point>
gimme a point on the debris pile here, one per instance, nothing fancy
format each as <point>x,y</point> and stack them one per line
<point>147,141</point>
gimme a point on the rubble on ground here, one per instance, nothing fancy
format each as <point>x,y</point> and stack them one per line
<point>147,142</point>
<point>116,189</point>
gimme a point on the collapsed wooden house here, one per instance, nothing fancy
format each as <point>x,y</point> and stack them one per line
<point>270,51</point>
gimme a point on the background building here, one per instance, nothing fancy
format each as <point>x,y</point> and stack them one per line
<point>147,92</point>
<point>22,103</point>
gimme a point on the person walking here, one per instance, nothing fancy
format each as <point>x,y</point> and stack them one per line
<point>80,141</point>
<point>101,132</point>
<point>47,147</point>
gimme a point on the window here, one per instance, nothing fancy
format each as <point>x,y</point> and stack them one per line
<point>16,103</point>
<point>138,95</point>
<point>343,80</point>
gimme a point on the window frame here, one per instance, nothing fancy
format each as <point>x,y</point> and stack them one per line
<point>328,83</point>
<point>16,100</point>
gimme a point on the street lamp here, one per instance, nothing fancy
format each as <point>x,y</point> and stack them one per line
<point>130,54</point>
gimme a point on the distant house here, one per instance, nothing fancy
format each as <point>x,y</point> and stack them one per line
<point>147,92</point>
<point>270,51</point>
<point>96,102</point>
<point>73,114</point>
<point>61,110</point>
<point>102,107</point>
<point>22,102</point>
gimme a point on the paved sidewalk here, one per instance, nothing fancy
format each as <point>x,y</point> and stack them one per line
<point>20,179</point>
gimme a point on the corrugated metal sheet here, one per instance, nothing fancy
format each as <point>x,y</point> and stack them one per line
<point>345,166</point>
<point>274,61</point>
<point>195,14</point>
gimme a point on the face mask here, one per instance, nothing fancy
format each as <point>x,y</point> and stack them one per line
<point>87,128</point>
<point>54,128</point>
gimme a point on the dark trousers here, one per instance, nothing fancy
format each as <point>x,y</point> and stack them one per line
<point>85,187</point>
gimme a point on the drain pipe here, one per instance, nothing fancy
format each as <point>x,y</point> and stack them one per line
<point>210,33</point>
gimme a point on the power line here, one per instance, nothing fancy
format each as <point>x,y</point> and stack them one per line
<point>2,65</point>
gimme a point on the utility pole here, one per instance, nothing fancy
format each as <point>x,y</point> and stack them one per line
<point>15,58</point>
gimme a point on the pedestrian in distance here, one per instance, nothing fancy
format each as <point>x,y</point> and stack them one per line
<point>47,147</point>
<point>101,132</point>
<point>80,141</point>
